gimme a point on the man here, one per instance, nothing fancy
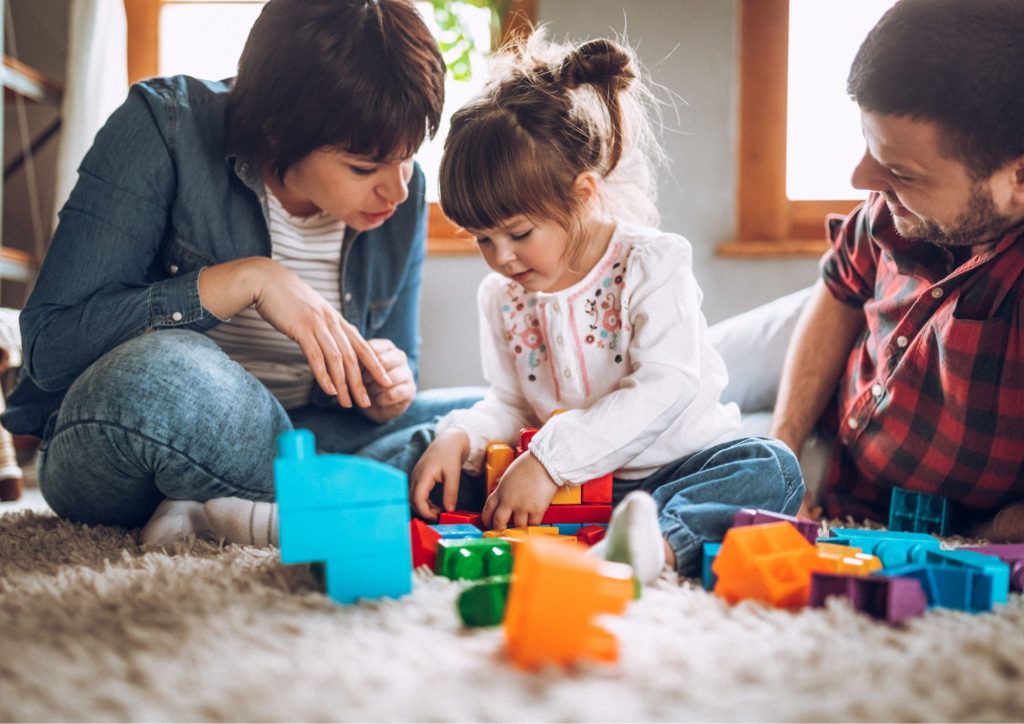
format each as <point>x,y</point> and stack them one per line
<point>911,350</point>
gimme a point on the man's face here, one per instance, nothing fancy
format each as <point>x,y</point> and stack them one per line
<point>932,197</point>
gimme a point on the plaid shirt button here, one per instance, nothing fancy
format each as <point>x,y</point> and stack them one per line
<point>937,293</point>
<point>902,341</point>
<point>852,422</point>
<point>877,390</point>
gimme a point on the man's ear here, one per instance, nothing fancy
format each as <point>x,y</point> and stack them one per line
<point>1016,179</point>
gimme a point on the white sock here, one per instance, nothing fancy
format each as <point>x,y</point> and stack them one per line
<point>634,537</point>
<point>175,520</point>
<point>246,522</point>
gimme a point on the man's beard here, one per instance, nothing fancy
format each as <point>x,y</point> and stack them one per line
<point>980,224</point>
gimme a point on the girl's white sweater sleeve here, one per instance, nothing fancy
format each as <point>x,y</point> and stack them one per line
<point>661,301</point>
<point>503,412</point>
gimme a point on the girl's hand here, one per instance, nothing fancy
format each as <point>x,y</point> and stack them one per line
<point>387,403</point>
<point>441,463</point>
<point>334,348</point>
<point>522,496</point>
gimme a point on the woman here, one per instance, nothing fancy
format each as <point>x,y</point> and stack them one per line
<point>237,258</point>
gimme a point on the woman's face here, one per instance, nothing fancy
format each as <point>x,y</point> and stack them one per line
<point>361,191</point>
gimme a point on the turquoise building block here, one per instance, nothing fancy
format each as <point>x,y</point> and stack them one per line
<point>963,589</point>
<point>892,548</point>
<point>997,570</point>
<point>449,531</point>
<point>708,577</point>
<point>350,513</point>
<point>918,512</point>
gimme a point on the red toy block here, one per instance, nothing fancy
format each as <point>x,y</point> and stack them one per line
<point>598,490</point>
<point>525,435</point>
<point>424,543</point>
<point>585,513</point>
<point>588,535</point>
<point>457,517</point>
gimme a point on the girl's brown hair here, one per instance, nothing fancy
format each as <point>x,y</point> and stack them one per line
<point>549,114</point>
<point>364,76</point>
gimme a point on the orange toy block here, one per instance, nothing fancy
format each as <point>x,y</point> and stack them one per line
<point>772,563</point>
<point>424,543</point>
<point>568,495</point>
<point>557,593</point>
<point>499,457</point>
<point>598,490</point>
<point>845,560</point>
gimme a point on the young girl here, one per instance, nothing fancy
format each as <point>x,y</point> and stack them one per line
<point>593,311</point>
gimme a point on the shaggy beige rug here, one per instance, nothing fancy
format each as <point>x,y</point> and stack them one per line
<point>93,628</point>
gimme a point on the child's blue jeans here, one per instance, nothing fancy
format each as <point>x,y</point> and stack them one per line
<point>168,414</point>
<point>697,496</point>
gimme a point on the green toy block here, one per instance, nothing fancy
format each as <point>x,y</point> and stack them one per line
<point>473,558</point>
<point>483,603</point>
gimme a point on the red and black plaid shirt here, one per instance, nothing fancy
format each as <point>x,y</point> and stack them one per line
<point>933,394</point>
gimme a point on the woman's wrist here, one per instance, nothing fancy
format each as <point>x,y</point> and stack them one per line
<point>228,288</point>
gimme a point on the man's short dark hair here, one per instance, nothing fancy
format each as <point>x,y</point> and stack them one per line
<point>956,63</point>
<point>364,76</point>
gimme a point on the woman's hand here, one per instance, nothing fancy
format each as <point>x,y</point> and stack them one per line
<point>441,463</point>
<point>335,350</point>
<point>522,496</point>
<point>387,403</point>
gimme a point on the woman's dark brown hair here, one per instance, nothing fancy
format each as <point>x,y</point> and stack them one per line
<point>363,76</point>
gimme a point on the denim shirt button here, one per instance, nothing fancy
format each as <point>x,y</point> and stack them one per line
<point>348,296</point>
<point>177,317</point>
<point>173,269</point>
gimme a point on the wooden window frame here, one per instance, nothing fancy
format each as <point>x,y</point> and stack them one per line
<point>443,236</point>
<point>769,223</point>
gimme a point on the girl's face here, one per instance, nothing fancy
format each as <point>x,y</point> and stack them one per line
<point>529,252</point>
<point>361,191</point>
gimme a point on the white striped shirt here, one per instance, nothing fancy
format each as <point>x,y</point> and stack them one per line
<point>310,247</point>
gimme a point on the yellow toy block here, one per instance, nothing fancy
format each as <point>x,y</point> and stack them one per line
<point>499,457</point>
<point>847,560</point>
<point>568,495</point>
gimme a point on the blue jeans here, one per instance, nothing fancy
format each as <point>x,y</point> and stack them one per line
<point>697,496</point>
<point>168,414</point>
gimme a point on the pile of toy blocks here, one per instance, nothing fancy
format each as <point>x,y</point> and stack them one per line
<point>891,575</point>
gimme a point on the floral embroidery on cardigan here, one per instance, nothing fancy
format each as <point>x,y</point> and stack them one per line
<point>604,309</point>
<point>522,329</point>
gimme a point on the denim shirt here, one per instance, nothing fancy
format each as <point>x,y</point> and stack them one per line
<point>160,196</point>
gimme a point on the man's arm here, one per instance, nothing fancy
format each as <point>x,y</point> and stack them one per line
<point>816,357</point>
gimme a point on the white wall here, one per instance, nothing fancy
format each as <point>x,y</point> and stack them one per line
<point>690,48</point>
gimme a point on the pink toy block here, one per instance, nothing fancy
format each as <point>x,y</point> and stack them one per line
<point>887,598</point>
<point>750,516</point>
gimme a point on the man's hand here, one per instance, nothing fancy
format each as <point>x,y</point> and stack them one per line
<point>523,494</point>
<point>1006,527</point>
<point>387,403</point>
<point>440,464</point>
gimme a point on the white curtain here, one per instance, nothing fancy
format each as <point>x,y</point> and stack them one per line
<point>95,84</point>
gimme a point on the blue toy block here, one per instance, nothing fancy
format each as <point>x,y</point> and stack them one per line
<point>997,570</point>
<point>918,512</point>
<point>451,531</point>
<point>708,577</point>
<point>963,589</point>
<point>892,548</point>
<point>351,513</point>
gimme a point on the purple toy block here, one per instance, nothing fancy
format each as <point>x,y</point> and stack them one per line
<point>1012,554</point>
<point>749,516</point>
<point>883,597</point>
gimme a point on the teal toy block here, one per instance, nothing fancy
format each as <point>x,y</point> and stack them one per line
<point>450,531</point>
<point>997,571</point>
<point>473,558</point>
<point>483,603</point>
<point>918,512</point>
<point>891,548</point>
<point>963,589</point>
<point>350,513</point>
<point>708,577</point>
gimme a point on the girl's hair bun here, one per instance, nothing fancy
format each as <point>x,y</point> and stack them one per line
<point>602,63</point>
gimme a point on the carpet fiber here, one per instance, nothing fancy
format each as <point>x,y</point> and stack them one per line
<point>94,628</point>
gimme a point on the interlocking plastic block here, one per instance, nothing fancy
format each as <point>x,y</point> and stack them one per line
<point>585,513</point>
<point>708,577</point>
<point>461,517</point>
<point>483,603</point>
<point>892,548</point>
<point>424,544</point>
<point>588,535</point>
<point>1011,554</point>
<point>473,558</point>
<point>882,597</point>
<point>349,512</point>
<point>964,589</point>
<point>568,495</point>
<point>499,457</point>
<point>751,516</point>
<point>598,490</point>
<point>990,565</point>
<point>846,560</point>
<point>557,594</point>
<point>457,530</point>
<point>771,563</point>
<point>918,512</point>
<point>525,436</point>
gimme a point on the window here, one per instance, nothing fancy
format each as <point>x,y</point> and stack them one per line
<point>205,37</point>
<point>799,132</point>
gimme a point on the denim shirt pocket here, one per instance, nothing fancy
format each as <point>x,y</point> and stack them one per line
<point>179,257</point>
<point>378,314</point>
